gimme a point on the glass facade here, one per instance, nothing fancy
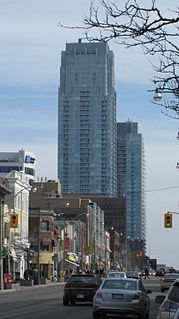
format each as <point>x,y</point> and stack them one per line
<point>131,177</point>
<point>87,120</point>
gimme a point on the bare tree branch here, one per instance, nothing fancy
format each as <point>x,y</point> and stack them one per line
<point>130,24</point>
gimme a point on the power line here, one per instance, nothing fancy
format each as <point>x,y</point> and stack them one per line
<point>152,190</point>
<point>161,189</point>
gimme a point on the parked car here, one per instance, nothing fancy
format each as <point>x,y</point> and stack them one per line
<point>169,303</point>
<point>116,274</point>
<point>121,296</point>
<point>152,272</point>
<point>167,280</point>
<point>80,288</point>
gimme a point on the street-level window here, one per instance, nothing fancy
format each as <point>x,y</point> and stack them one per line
<point>45,225</point>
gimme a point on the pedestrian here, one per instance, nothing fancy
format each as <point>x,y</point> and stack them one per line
<point>146,273</point>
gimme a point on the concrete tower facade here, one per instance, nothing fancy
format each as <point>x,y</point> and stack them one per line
<point>87,132</point>
<point>131,177</point>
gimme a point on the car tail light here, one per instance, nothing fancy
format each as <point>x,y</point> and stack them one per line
<point>98,295</point>
<point>66,285</point>
<point>137,297</point>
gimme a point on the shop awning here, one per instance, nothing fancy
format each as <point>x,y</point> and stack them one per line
<point>72,263</point>
<point>72,257</point>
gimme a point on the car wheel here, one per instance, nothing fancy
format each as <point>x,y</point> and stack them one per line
<point>162,290</point>
<point>72,302</point>
<point>65,302</point>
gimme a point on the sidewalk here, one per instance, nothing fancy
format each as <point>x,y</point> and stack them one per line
<point>17,286</point>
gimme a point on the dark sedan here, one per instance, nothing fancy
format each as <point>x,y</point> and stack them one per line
<point>80,288</point>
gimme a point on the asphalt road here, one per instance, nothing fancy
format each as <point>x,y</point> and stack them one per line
<point>46,302</point>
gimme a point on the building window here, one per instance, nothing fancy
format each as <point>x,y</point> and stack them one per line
<point>45,225</point>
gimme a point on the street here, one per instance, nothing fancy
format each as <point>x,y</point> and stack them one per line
<point>46,302</point>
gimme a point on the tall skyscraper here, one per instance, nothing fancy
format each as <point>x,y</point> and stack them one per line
<point>87,132</point>
<point>131,177</point>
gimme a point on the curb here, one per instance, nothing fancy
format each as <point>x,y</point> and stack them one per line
<point>18,287</point>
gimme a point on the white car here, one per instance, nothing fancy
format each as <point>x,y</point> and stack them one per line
<point>169,303</point>
<point>121,296</point>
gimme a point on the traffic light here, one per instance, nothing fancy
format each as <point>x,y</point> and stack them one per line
<point>168,220</point>
<point>14,220</point>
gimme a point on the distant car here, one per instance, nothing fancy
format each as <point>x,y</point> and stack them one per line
<point>121,296</point>
<point>152,272</point>
<point>172,270</point>
<point>116,274</point>
<point>160,272</point>
<point>80,288</point>
<point>167,280</point>
<point>169,303</point>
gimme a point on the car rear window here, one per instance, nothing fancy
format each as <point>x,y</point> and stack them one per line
<point>116,274</point>
<point>86,279</point>
<point>120,284</point>
<point>171,276</point>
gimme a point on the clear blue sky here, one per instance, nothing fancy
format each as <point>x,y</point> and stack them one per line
<point>31,43</point>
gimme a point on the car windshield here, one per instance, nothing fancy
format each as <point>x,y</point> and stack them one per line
<point>116,274</point>
<point>120,284</point>
<point>86,279</point>
<point>174,294</point>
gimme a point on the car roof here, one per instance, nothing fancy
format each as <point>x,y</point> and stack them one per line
<point>119,278</point>
<point>112,271</point>
<point>83,275</point>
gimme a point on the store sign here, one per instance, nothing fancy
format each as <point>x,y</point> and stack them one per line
<point>86,250</point>
<point>29,159</point>
<point>66,242</point>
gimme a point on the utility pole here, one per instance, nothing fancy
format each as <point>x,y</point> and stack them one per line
<point>38,252</point>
